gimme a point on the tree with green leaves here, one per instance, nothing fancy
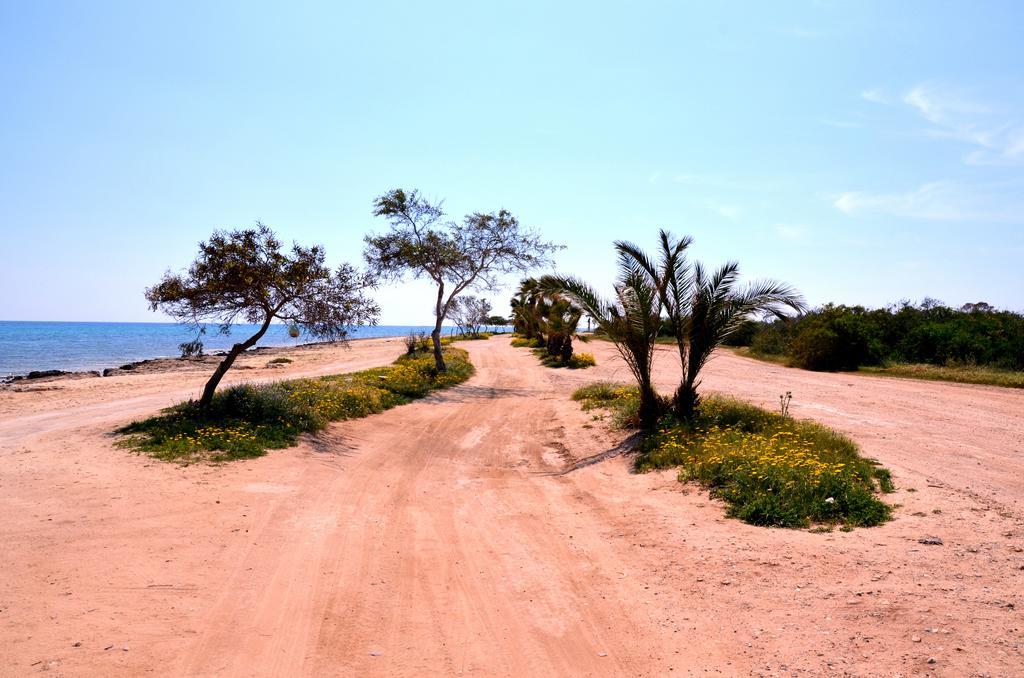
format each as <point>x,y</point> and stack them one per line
<point>630,320</point>
<point>703,308</point>
<point>558,326</point>
<point>456,257</point>
<point>247,276</point>
<point>470,314</point>
<point>527,308</point>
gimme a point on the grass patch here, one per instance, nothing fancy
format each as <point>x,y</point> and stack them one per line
<point>763,357</point>
<point>623,401</point>
<point>961,374</point>
<point>770,470</point>
<point>246,420</point>
<point>522,342</point>
<point>578,361</point>
<point>279,361</point>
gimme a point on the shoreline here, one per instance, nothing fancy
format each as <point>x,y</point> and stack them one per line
<point>171,364</point>
<point>159,364</point>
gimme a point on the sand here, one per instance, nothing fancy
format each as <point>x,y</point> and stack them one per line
<point>495,529</point>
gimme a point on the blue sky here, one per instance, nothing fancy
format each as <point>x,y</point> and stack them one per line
<point>863,151</point>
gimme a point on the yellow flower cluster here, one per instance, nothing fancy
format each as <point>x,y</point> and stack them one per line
<point>780,455</point>
<point>216,437</point>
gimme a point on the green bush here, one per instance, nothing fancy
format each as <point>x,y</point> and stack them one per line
<point>769,469</point>
<point>246,420</point>
<point>577,361</point>
<point>848,337</point>
<point>835,339</point>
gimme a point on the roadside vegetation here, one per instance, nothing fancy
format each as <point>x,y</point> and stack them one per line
<point>246,420</point>
<point>975,343</point>
<point>248,275</point>
<point>769,468</point>
<point>548,323</point>
<point>961,374</point>
<point>456,257</point>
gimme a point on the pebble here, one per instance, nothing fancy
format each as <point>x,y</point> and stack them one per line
<point>915,639</point>
<point>931,541</point>
<point>375,653</point>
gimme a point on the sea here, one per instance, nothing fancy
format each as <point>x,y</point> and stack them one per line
<point>78,346</point>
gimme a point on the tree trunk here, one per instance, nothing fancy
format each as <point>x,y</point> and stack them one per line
<point>439,312</point>
<point>229,359</point>
<point>686,401</point>
<point>649,409</point>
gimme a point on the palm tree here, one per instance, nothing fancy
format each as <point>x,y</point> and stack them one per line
<point>703,309</point>
<point>526,308</point>
<point>630,321</point>
<point>559,328</point>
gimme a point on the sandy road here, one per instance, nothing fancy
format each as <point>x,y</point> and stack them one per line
<point>445,538</point>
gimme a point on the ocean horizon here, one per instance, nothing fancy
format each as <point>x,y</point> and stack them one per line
<point>27,345</point>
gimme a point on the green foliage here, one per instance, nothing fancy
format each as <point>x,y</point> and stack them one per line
<point>963,374</point>
<point>522,342</point>
<point>630,321</point>
<point>581,360</point>
<point>621,399</point>
<point>769,469</point>
<point>455,256</point>
<point>703,309</point>
<point>246,420</point>
<point>247,275</point>
<point>832,340</point>
<point>577,361</point>
<point>279,361</point>
<point>848,337</point>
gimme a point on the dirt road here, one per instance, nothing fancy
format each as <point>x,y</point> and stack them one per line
<point>462,535</point>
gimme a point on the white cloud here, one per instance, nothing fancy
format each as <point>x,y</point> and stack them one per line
<point>939,201</point>
<point>954,116</point>
<point>874,96</point>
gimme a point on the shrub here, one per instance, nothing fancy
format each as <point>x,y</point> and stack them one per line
<point>577,361</point>
<point>522,342</point>
<point>246,420</point>
<point>582,360</point>
<point>742,336</point>
<point>769,469</point>
<point>836,339</point>
<point>772,339</point>
<point>847,337</point>
<point>279,361</point>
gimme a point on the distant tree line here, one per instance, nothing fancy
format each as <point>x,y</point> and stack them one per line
<point>838,337</point>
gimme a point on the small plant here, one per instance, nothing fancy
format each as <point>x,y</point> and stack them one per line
<point>279,361</point>
<point>769,469</point>
<point>417,342</point>
<point>581,360</point>
<point>246,420</point>
<point>411,342</point>
<point>784,401</point>
<point>191,349</point>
